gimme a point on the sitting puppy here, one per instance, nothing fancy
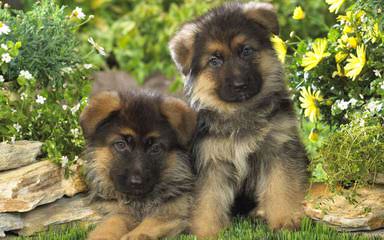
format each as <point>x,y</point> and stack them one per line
<point>247,145</point>
<point>136,154</point>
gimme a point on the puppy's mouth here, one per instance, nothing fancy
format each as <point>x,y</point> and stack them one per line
<point>236,97</point>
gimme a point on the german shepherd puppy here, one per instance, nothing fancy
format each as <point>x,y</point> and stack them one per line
<point>247,142</point>
<point>137,154</point>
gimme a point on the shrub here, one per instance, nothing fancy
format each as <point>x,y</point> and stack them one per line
<point>44,84</point>
<point>351,156</point>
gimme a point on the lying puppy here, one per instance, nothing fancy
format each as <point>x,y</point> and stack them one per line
<point>247,144</point>
<point>136,153</point>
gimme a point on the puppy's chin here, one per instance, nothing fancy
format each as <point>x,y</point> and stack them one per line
<point>135,193</point>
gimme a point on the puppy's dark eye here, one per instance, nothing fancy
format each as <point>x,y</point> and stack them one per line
<point>121,146</point>
<point>156,149</point>
<point>215,61</point>
<point>246,51</point>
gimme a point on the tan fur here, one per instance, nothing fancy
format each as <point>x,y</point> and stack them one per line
<point>112,228</point>
<point>204,93</point>
<point>281,202</point>
<point>181,117</point>
<point>167,222</point>
<point>181,46</point>
<point>128,131</point>
<point>153,134</point>
<point>213,47</point>
<point>98,109</point>
<point>263,13</point>
<point>210,214</point>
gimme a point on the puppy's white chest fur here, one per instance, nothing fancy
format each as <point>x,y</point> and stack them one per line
<point>232,150</point>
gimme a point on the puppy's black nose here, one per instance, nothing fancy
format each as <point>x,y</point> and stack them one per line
<point>240,84</point>
<point>136,180</point>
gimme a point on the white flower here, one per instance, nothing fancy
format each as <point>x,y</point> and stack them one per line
<point>78,13</point>
<point>75,132</point>
<point>23,96</point>
<point>5,57</point>
<point>341,104</point>
<point>88,66</point>
<point>65,107</point>
<point>4,46</point>
<point>40,99</point>
<point>1,78</point>
<point>17,127</point>
<point>4,28</point>
<point>377,73</point>
<point>382,85</point>
<point>64,161</point>
<point>75,108</point>
<point>374,106</point>
<point>25,74</point>
<point>99,48</point>
<point>352,101</point>
<point>362,122</point>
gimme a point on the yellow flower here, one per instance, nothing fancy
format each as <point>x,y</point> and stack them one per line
<point>347,29</point>
<point>311,59</point>
<point>314,135</point>
<point>310,102</point>
<point>340,56</point>
<point>280,47</point>
<point>335,5</point>
<point>298,13</point>
<point>339,71</point>
<point>355,63</point>
<point>345,18</point>
<point>352,42</point>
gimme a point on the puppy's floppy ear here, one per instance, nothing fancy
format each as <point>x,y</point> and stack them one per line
<point>181,117</point>
<point>181,47</point>
<point>99,108</point>
<point>264,14</point>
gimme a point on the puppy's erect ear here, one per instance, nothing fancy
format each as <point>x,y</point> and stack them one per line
<point>99,108</point>
<point>181,47</point>
<point>181,117</point>
<point>264,14</point>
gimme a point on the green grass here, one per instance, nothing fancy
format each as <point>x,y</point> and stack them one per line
<point>242,229</point>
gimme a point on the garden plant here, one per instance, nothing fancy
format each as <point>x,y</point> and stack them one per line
<point>332,50</point>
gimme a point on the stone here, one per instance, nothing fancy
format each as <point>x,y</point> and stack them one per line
<point>379,178</point>
<point>10,221</point>
<point>63,211</point>
<point>18,154</point>
<point>365,213</point>
<point>23,189</point>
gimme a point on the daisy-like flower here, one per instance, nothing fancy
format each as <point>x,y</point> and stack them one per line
<point>280,47</point>
<point>335,5</point>
<point>352,42</point>
<point>298,13</point>
<point>314,135</point>
<point>78,13</point>
<point>25,74</point>
<point>99,48</point>
<point>312,59</point>
<point>40,99</point>
<point>17,126</point>
<point>5,57</point>
<point>4,46</point>
<point>310,102</point>
<point>1,78</point>
<point>355,63</point>
<point>4,29</point>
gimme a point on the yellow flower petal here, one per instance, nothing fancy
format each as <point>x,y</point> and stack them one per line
<point>310,103</point>
<point>280,47</point>
<point>298,13</point>
<point>312,59</point>
<point>335,5</point>
<point>355,63</point>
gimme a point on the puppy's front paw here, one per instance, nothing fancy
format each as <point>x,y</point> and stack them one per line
<point>134,236</point>
<point>287,222</point>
